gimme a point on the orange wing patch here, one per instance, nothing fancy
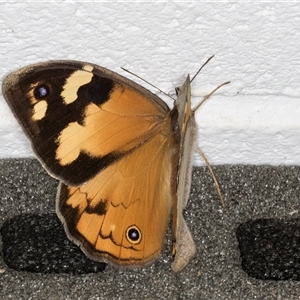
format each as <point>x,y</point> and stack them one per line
<point>111,126</point>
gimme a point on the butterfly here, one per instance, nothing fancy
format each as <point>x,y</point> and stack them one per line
<point>122,157</point>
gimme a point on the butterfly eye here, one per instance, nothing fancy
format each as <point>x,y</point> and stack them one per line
<point>133,235</point>
<point>41,91</point>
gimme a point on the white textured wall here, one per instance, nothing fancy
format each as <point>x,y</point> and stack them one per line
<point>254,120</point>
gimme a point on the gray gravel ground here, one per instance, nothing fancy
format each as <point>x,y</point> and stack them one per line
<point>251,192</point>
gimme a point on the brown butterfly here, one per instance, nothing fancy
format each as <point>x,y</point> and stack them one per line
<point>122,156</point>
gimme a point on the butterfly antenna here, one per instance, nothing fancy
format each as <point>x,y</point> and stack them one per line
<point>148,83</point>
<point>202,68</point>
<point>208,95</point>
<point>217,186</point>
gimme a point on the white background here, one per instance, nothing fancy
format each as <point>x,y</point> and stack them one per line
<point>254,120</point>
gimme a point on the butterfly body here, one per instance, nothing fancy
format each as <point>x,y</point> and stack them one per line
<point>122,156</point>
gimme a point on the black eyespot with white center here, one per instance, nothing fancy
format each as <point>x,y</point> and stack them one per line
<point>133,235</point>
<point>41,91</point>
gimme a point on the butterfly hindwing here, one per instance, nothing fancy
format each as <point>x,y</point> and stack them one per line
<point>118,215</point>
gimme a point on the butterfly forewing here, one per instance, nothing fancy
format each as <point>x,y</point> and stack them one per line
<point>81,118</point>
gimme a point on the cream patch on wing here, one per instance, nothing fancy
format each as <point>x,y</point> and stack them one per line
<point>69,146</point>
<point>39,110</point>
<point>74,82</point>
